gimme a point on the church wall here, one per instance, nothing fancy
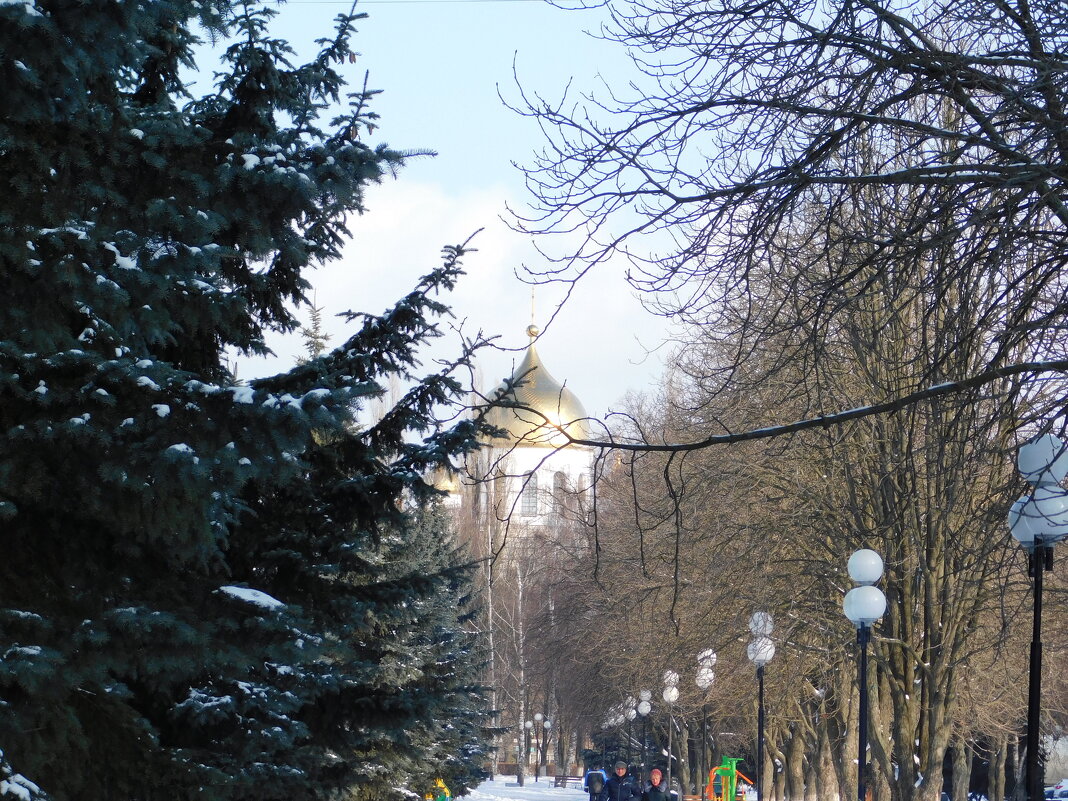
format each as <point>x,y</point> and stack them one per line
<point>518,464</point>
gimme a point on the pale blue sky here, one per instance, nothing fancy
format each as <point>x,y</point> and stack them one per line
<point>440,65</point>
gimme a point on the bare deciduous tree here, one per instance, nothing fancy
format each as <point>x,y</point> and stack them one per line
<point>752,125</point>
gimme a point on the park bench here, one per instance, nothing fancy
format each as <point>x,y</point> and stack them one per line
<point>568,781</point>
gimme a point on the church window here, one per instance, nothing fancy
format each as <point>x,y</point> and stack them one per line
<point>528,505</point>
<point>559,492</point>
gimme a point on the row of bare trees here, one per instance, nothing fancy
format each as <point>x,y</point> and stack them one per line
<point>855,209</point>
<point>689,542</point>
<point>525,566</point>
<point>688,545</point>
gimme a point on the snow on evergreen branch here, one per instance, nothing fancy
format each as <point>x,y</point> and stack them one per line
<point>16,785</point>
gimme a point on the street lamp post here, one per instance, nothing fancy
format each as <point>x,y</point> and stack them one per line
<point>1038,522</point>
<point>864,605</point>
<point>706,674</point>
<point>538,717</point>
<point>670,696</point>
<point>631,714</point>
<point>547,725</point>
<point>644,708</point>
<point>760,651</point>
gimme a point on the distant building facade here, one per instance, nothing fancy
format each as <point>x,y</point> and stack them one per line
<point>543,479</point>
<point>522,506</point>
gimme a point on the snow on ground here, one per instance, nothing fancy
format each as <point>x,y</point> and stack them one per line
<point>504,788</point>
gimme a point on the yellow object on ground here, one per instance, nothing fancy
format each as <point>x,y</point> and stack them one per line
<point>442,792</point>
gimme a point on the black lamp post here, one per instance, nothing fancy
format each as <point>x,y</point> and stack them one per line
<point>670,696</point>
<point>706,674</point>
<point>538,717</point>
<point>644,708</point>
<point>863,606</point>
<point>1038,522</point>
<point>631,713</point>
<point>546,725</point>
<point>760,651</point>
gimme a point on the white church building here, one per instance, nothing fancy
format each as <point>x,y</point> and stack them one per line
<point>536,478</point>
<point>524,509</point>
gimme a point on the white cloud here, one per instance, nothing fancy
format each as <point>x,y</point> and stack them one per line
<point>592,345</point>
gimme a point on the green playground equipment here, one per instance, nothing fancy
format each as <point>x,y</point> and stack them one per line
<point>439,793</point>
<point>723,781</point>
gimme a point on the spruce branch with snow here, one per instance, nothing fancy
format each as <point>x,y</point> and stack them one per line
<point>190,562</point>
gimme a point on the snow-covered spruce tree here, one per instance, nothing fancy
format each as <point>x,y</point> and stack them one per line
<point>17,786</point>
<point>315,338</point>
<point>391,697</point>
<point>453,736</point>
<point>144,232</point>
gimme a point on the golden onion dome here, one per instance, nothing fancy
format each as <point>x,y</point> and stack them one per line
<point>543,407</point>
<point>445,480</point>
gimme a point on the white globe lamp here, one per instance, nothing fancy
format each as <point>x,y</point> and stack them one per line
<point>865,566</point>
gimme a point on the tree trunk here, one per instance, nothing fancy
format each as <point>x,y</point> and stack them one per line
<point>794,769</point>
<point>813,787</point>
<point>995,789</point>
<point>827,789</point>
<point>779,783</point>
<point>680,745</point>
<point>1017,754</point>
<point>844,748</point>
<point>962,769</point>
<point>880,787</point>
<point>774,774</point>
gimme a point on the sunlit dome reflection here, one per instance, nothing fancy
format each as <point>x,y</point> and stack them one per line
<point>544,408</point>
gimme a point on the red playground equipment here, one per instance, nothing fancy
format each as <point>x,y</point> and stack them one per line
<point>723,781</point>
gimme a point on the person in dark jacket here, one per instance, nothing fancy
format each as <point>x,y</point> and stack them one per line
<point>656,789</point>
<point>593,783</point>
<point>620,786</point>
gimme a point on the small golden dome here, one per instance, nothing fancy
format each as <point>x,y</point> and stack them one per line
<point>548,408</point>
<point>444,480</point>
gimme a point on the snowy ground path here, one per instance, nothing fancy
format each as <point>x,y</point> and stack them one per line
<point>503,788</point>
